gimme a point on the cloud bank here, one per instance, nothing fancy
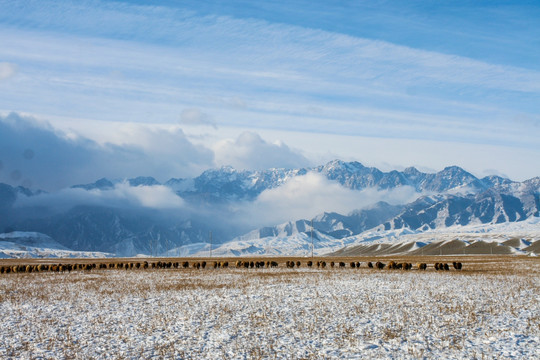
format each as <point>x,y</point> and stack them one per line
<point>36,155</point>
<point>123,196</point>
<point>304,197</point>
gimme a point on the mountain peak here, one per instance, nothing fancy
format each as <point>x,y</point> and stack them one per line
<point>411,170</point>
<point>340,164</point>
<point>143,181</point>
<point>101,184</point>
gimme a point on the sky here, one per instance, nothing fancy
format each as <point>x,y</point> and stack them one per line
<point>93,89</point>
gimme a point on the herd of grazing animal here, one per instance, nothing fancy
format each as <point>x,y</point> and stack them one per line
<point>6,269</point>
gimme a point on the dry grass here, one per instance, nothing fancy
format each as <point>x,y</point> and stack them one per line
<point>270,313</point>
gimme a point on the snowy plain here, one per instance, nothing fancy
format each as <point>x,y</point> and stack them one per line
<point>489,310</point>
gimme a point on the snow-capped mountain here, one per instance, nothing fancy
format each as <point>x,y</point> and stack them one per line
<point>210,202</point>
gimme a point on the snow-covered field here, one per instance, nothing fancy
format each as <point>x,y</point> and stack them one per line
<point>489,310</point>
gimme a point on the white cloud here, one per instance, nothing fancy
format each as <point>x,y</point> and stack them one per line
<point>304,197</point>
<point>194,116</point>
<point>7,70</point>
<point>157,197</point>
<point>250,151</point>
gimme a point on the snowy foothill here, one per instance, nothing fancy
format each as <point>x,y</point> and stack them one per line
<point>22,244</point>
<point>300,243</point>
<point>491,309</point>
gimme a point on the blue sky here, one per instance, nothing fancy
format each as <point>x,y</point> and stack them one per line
<point>391,84</point>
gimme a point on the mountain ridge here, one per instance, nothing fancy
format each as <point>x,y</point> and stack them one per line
<point>446,198</point>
